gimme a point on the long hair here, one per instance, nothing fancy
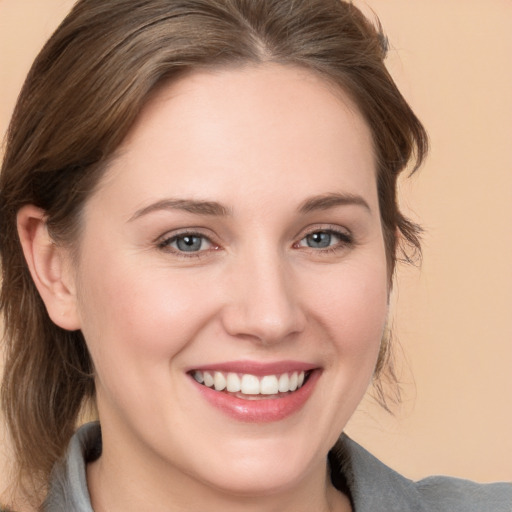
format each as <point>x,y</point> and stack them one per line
<point>78,103</point>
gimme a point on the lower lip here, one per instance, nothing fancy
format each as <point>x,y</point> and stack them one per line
<point>263,410</point>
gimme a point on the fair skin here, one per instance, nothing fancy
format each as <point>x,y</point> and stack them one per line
<point>270,173</point>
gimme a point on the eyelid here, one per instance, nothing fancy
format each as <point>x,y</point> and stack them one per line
<point>192,231</point>
<point>163,242</point>
<point>345,235</point>
<point>327,228</point>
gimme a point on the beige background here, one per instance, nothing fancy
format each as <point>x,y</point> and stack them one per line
<point>452,60</point>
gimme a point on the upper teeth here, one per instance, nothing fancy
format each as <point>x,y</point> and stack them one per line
<point>251,384</point>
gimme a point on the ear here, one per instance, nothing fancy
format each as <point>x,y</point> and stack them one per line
<point>49,266</point>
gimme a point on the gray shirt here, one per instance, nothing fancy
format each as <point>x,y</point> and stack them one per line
<point>371,486</point>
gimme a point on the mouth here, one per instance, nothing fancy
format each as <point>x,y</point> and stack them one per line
<point>247,386</point>
<point>256,393</point>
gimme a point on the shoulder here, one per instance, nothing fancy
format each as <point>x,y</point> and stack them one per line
<point>374,486</point>
<point>454,495</point>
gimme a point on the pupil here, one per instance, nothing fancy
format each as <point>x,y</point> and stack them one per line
<point>321,239</point>
<point>189,243</point>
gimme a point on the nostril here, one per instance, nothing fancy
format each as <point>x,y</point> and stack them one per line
<point>262,301</point>
<point>266,326</point>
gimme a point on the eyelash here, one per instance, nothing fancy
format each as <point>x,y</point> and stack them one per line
<point>165,244</point>
<point>345,240</point>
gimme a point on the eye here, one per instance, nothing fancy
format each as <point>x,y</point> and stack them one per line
<point>186,243</point>
<point>325,239</point>
<point>318,240</point>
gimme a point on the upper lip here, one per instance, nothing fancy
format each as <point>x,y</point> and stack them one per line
<point>256,367</point>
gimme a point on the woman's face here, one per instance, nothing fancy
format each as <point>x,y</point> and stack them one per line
<point>235,240</point>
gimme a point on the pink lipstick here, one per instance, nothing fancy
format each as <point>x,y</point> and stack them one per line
<point>256,392</point>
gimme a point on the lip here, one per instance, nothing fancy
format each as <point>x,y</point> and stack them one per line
<point>264,410</point>
<point>256,368</point>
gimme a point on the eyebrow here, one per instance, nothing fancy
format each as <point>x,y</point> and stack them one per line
<point>197,207</point>
<point>327,201</point>
<point>212,208</point>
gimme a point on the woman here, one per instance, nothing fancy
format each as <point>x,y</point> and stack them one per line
<point>203,208</point>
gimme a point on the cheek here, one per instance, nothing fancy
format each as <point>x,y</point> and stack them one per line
<point>136,326</point>
<point>348,309</point>
<point>352,314</point>
<point>133,316</point>
<point>354,307</point>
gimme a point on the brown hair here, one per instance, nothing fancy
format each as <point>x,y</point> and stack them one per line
<point>80,99</point>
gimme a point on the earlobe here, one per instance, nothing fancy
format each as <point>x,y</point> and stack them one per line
<point>49,267</point>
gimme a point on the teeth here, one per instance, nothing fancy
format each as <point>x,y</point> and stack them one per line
<point>233,383</point>
<point>284,383</point>
<point>294,381</point>
<point>208,379</point>
<point>219,381</point>
<point>251,384</point>
<point>269,385</point>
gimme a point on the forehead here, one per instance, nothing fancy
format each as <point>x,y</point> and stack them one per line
<point>259,127</point>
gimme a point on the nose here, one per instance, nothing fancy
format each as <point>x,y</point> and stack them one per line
<point>263,301</point>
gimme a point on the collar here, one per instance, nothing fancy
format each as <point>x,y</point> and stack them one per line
<point>371,485</point>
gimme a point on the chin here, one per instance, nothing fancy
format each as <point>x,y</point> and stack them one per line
<point>264,469</point>
<point>257,481</point>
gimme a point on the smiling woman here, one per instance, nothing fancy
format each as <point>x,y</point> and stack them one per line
<point>203,208</point>
<point>254,299</point>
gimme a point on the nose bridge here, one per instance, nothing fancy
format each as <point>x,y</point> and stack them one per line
<point>262,303</point>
